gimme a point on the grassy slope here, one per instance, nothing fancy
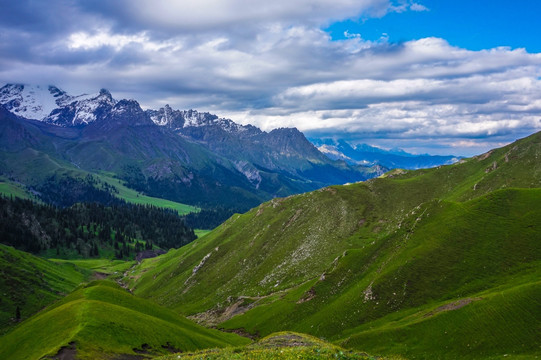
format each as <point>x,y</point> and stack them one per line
<point>103,320</point>
<point>200,232</point>
<point>8,188</point>
<point>498,324</point>
<point>384,246</point>
<point>490,249</point>
<point>32,283</point>
<point>33,167</point>
<point>283,345</point>
<point>104,266</point>
<point>132,196</point>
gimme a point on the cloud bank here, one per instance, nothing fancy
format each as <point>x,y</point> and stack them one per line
<point>270,64</point>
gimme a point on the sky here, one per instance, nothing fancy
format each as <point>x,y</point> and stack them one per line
<point>428,76</point>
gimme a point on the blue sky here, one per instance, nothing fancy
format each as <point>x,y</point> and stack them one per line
<point>469,24</point>
<point>444,77</point>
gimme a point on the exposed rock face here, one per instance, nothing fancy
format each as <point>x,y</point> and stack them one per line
<point>147,254</point>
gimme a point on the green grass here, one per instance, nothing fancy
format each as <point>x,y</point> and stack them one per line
<point>325,262</point>
<point>134,197</point>
<point>33,167</point>
<point>498,324</point>
<point>282,345</point>
<point>200,233</point>
<point>32,283</point>
<point>8,189</point>
<point>104,266</point>
<point>103,321</point>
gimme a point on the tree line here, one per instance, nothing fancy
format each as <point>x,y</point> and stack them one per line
<point>90,229</point>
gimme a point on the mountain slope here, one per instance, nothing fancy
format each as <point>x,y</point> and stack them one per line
<point>496,324</point>
<point>31,283</point>
<point>185,156</point>
<point>101,321</point>
<point>90,229</point>
<point>327,261</point>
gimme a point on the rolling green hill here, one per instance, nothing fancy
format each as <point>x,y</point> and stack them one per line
<point>103,321</point>
<point>31,283</point>
<point>282,345</point>
<point>385,266</point>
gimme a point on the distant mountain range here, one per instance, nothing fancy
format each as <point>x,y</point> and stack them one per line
<point>363,154</point>
<point>186,156</point>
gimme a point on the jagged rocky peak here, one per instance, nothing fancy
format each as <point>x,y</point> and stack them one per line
<point>167,117</point>
<point>287,131</point>
<point>127,106</point>
<point>106,93</point>
<point>287,135</point>
<point>291,140</point>
<point>183,119</point>
<point>56,92</point>
<point>129,112</point>
<point>82,109</point>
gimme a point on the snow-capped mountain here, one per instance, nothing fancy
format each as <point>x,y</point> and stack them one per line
<point>179,119</point>
<point>30,101</point>
<point>53,105</point>
<point>366,155</point>
<point>187,156</point>
<point>82,110</point>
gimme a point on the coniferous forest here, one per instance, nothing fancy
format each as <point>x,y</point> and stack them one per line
<point>90,229</point>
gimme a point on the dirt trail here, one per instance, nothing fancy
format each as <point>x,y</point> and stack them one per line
<point>96,275</point>
<point>452,306</point>
<point>67,352</point>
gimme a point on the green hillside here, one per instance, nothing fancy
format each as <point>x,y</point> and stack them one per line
<point>35,168</point>
<point>351,263</point>
<point>31,283</point>
<point>103,321</point>
<point>503,323</point>
<point>8,189</point>
<point>132,196</point>
<point>283,345</point>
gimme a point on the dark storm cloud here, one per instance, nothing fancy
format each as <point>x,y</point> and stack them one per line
<point>39,17</point>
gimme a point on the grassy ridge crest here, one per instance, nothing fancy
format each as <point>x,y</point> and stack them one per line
<point>100,320</point>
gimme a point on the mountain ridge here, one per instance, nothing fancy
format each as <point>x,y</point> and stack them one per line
<point>184,156</point>
<point>364,154</point>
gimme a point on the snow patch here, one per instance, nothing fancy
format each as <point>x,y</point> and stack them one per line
<point>29,101</point>
<point>47,103</point>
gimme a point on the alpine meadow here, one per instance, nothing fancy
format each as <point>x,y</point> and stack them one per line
<point>232,179</point>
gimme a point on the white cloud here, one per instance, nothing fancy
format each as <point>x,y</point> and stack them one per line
<point>87,41</point>
<point>418,7</point>
<point>270,64</point>
<point>212,14</point>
